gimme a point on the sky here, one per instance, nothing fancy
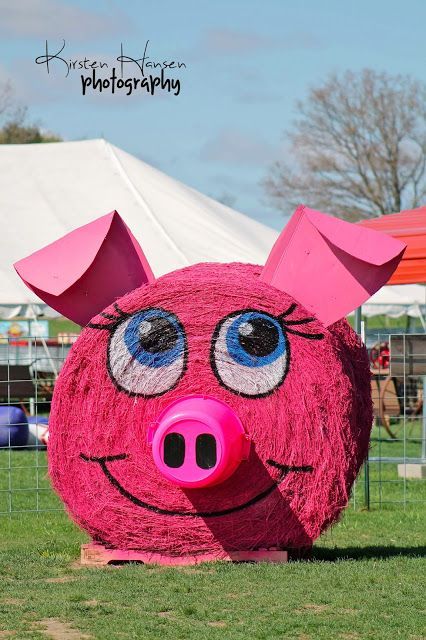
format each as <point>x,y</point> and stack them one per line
<point>247,63</point>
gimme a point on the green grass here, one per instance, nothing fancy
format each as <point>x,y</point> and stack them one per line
<point>62,325</point>
<point>366,580</point>
<point>383,323</point>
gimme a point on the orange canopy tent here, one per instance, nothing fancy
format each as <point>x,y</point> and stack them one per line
<point>410,227</point>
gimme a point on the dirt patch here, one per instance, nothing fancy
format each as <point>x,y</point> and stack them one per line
<point>61,579</point>
<point>352,635</point>
<point>59,630</point>
<point>197,571</point>
<point>16,602</point>
<point>218,623</point>
<point>91,603</point>
<point>347,612</point>
<point>7,634</point>
<point>314,608</point>
<point>168,615</point>
<point>238,596</point>
<point>76,565</point>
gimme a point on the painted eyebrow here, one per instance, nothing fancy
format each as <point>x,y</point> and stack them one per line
<point>109,326</point>
<point>288,324</point>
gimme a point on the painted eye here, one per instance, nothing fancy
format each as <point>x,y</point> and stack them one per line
<point>147,353</point>
<point>250,353</point>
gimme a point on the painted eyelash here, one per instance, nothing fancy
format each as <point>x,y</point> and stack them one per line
<point>286,323</point>
<point>115,319</point>
<point>289,323</point>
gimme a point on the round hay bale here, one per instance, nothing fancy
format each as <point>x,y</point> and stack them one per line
<point>300,390</point>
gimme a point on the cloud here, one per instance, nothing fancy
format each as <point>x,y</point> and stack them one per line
<point>234,147</point>
<point>251,86</point>
<point>55,19</point>
<point>231,42</point>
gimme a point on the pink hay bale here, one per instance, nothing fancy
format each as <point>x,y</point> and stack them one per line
<point>313,414</point>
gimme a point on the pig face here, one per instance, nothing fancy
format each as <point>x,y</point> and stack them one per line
<point>209,411</point>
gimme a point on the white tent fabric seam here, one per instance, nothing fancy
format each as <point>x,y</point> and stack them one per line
<point>142,201</point>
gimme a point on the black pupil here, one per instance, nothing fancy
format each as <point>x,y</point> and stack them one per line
<point>157,334</point>
<point>259,337</point>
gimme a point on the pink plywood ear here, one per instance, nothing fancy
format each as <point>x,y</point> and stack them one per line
<point>328,265</point>
<point>86,270</point>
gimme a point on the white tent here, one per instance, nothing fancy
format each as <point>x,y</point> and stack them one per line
<point>397,300</point>
<point>49,189</point>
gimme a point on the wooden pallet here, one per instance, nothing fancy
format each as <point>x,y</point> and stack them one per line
<point>95,554</point>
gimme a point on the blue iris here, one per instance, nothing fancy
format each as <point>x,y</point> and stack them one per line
<point>155,338</point>
<point>255,339</point>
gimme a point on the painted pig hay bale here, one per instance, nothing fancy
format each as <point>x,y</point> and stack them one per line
<point>306,408</point>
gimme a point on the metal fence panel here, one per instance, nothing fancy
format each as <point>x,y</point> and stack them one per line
<point>394,474</point>
<point>28,370</point>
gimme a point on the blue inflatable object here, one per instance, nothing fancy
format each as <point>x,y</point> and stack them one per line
<point>13,427</point>
<point>37,420</point>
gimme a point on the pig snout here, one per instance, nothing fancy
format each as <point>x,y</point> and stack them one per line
<point>198,441</point>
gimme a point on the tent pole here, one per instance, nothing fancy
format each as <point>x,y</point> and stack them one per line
<point>43,342</point>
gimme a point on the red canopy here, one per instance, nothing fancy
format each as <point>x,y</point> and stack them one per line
<point>410,227</point>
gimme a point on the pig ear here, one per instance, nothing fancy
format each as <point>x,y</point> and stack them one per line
<point>328,265</point>
<point>86,270</point>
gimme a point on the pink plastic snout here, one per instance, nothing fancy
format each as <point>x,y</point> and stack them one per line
<point>198,441</point>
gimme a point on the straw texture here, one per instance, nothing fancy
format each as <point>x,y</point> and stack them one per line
<point>307,409</point>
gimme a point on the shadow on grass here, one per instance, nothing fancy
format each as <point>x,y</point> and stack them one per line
<point>366,553</point>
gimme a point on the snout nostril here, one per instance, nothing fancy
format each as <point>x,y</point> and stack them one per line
<point>174,450</point>
<point>205,451</point>
<point>198,441</point>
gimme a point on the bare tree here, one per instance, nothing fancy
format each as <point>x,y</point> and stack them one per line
<point>6,99</point>
<point>13,117</point>
<point>358,147</point>
<point>15,131</point>
<point>226,198</point>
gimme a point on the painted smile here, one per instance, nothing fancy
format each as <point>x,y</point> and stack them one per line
<point>103,463</point>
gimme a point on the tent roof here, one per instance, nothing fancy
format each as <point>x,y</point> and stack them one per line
<point>397,300</point>
<point>50,189</point>
<point>410,227</point>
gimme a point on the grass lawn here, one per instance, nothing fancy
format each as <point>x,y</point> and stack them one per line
<point>367,578</point>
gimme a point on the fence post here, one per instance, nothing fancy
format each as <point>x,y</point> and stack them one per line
<point>358,329</point>
<point>358,318</point>
<point>424,422</point>
<point>367,484</point>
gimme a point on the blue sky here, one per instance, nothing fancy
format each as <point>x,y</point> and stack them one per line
<point>247,63</point>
